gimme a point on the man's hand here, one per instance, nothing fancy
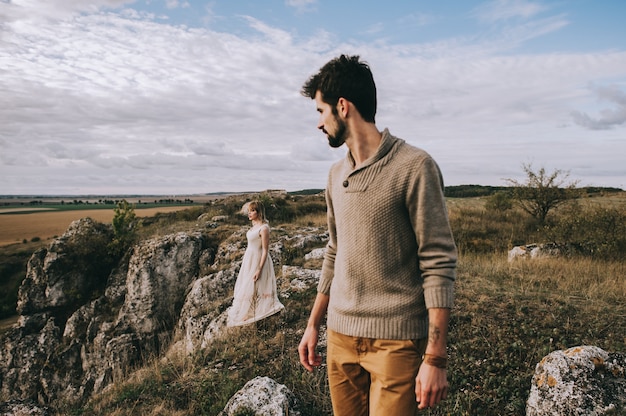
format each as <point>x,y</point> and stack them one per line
<point>431,383</point>
<point>308,357</point>
<point>431,386</point>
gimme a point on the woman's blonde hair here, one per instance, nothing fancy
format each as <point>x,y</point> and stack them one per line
<point>257,206</point>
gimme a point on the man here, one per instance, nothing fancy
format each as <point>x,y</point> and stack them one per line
<point>387,283</point>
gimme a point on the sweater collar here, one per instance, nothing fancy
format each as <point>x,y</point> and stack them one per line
<point>387,143</point>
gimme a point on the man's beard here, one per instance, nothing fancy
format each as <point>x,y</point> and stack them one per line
<point>339,138</point>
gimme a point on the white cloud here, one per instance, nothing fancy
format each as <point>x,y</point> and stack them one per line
<point>129,103</point>
<point>38,10</point>
<point>302,6</point>
<point>609,117</point>
<point>497,10</point>
<point>276,36</point>
<point>175,4</point>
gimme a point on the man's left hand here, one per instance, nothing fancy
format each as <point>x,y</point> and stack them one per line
<point>431,386</point>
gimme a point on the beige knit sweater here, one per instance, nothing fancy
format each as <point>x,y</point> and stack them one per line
<point>390,254</point>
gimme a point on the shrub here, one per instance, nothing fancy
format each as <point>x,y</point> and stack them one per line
<point>596,231</point>
<point>124,233</point>
<point>499,202</point>
<point>543,192</point>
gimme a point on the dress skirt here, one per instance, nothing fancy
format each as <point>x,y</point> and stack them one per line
<point>252,300</point>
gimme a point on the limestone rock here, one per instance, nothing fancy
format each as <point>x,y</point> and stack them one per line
<point>580,381</point>
<point>158,275</point>
<point>63,275</point>
<point>301,279</point>
<point>262,396</point>
<point>203,317</point>
<point>315,254</point>
<point>20,408</point>
<point>65,348</point>
<point>307,236</point>
<point>231,249</point>
<point>546,250</point>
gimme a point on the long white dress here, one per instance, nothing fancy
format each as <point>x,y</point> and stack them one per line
<point>252,300</point>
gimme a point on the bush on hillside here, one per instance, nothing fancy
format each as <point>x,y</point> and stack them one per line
<point>598,232</point>
<point>542,192</point>
<point>124,232</point>
<point>499,202</point>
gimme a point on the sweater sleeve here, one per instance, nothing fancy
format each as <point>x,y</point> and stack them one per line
<point>328,266</point>
<point>436,249</point>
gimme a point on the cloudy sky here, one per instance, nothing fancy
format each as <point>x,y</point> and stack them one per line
<point>182,96</point>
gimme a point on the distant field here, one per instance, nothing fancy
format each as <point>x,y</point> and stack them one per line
<point>45,224</point>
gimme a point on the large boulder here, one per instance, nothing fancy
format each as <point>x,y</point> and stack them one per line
<point>203,315</point>
<point>580,381</point>
<point>262,396</point>
<point>63,276</point>
<point>158,275</point>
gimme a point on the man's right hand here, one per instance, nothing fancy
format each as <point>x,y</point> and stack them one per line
<point>308,357</point>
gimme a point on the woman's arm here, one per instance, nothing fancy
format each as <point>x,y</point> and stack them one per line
<point>265,240</point>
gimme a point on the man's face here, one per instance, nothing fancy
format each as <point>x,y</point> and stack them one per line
<point>330,123</point>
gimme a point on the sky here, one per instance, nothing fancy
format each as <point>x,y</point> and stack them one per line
<point>179,97</point>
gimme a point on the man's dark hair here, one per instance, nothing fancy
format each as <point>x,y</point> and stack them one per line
<point>345,77</point>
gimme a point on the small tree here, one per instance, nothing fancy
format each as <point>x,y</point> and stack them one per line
<point>124,222</point>
<point>542,192</point>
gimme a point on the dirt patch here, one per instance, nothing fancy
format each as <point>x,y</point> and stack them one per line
<point>14,228</point>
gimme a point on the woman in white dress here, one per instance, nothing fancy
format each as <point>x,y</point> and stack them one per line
<point>255,294</point>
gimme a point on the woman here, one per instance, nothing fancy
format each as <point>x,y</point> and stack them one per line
<point>255,295</point>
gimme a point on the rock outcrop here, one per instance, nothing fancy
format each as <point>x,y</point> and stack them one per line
<point>65,346</point>
<point>87,321</point>
<point>203,316</point>
<point>580,381</point>
<point>59,278</point>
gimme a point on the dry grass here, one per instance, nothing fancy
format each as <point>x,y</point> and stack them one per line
<point>506,318</point>
<point>578,277</point>
<point>509,316</point>
<point>313,220</point>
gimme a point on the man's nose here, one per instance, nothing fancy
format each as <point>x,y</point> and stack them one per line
<point>320,122</point>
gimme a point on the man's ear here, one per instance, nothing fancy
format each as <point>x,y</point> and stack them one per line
<point>343,106</point>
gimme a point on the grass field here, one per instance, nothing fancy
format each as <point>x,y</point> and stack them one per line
<point>507,316</point>
<point>16,227</point>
